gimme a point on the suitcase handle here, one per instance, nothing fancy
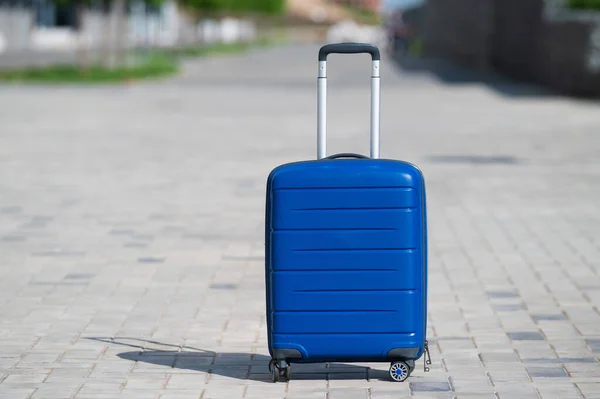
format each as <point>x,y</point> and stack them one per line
<point>348,48</point>
<point>347,155</point>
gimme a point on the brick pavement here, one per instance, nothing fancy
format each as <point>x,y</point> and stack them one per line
<point>131,244</point>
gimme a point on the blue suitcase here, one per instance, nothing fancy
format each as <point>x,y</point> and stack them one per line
<point>346,252</point>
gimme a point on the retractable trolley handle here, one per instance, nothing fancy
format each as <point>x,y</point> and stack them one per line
<point>348,48</point>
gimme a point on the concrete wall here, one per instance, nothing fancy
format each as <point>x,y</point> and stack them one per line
<point>461,33</point>
<point>15,25</point>
<point>560,57</point>
<point>513,34</point>
<point>535,40</point>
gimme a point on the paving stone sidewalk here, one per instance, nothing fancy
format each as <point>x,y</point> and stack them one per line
<point>131,232</point>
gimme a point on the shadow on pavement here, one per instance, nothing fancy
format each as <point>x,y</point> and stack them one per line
<point>243,366</point>
<point>475,159</point>
<point>453,74</point>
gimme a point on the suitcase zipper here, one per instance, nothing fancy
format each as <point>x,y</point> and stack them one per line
<point>426,358</point>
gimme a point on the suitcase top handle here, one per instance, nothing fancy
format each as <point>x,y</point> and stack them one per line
<point>348,48</point>
<point>347,155</point>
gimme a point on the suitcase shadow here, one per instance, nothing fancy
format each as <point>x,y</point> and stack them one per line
<point>237,365</point>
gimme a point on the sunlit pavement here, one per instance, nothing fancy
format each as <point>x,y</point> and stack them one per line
<point>131,231</point>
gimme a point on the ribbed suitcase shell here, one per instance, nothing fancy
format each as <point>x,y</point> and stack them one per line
<point>346,261</point>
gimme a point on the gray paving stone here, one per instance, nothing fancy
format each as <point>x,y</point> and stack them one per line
<point>431,395</point>
<point>499,357</point>
<point>563,360</point>
<point>346,393</point>
<point>388,395</point>
<point>100,388</point>
<point>430,386</point>
<point>131,237</point>
<point>515,390</point>
<point>17,393</point>
<point>266,390</point>
<point>181,395</point>
<point>589,389</point>
<point>548,317</point>
<point>307,395</point>
<point>558,390</point>
<point>525,336</point>
<point>508,374</point>
<point>503,294</point>
<point>348,380</point>
<point>55,390</point>
<point>224,391</point>
<point>594,344</point>
<point>471,384</point>
<point>145,383</point>
<point>40,358</point>
<point>28,378</point>
<point>183,381</point>
<point>535,352</point>
<point>546,372</point>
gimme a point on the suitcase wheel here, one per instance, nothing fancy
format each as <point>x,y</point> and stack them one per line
<point>399,371</point>
<point>280,370</point>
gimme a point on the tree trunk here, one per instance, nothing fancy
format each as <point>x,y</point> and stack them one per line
<point>82,55</point>
<point>105,51</point>
<point>117,36</point>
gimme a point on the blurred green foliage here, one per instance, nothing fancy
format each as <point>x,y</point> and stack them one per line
<point>363,15</point>
<point>267,7</point>
<point>584,4</point>
<point>153,66</point>
<point>147,64</point>
<point>415,48</point>
<point>106,2</point>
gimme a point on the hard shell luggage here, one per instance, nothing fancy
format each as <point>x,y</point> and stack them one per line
<point>346,252</point>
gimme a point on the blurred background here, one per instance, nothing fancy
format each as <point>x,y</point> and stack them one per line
<point>136,137</point>
<point>552,42</point>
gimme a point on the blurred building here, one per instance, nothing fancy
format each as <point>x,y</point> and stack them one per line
<point>371,5</point>
<point>51,26</point>
<point>43,13</point>
<point>317,11</point>
<point>542,41</point>
<point>391,5</point>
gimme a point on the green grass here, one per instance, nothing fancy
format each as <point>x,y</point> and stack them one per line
<point>584,4</point>
<point>150,64</point>
<point>153,66</point>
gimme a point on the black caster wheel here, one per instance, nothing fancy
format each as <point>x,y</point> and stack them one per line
<point>274,376</point>
<point>285,374</point>
<point>279,373</point>
<point>399,371</point>
<point>274,370</point>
